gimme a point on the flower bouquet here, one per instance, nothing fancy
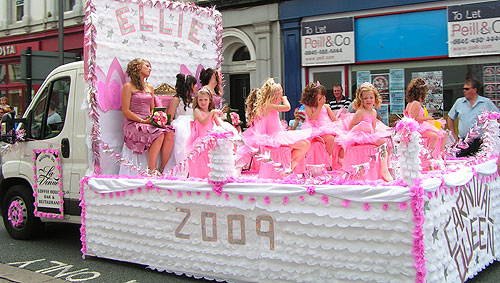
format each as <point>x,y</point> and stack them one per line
<point>160,118</point>
<point>233,117</point>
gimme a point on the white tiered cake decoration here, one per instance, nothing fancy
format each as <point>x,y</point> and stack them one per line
<point>221,159</point>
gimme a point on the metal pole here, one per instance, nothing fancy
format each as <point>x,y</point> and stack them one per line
<point>61,32</point>
<point>29,82</point>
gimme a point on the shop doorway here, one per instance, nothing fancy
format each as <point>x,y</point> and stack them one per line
<point>328,77</point>
<point>239,88</point>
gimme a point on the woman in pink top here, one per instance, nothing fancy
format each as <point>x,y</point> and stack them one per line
<point>137,107</point>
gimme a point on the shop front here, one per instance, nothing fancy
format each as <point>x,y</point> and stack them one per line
<point>389,46</point>
<point>11,84</point>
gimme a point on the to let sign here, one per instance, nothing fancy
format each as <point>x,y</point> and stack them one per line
<point>474,29</point>
<point>328,42</point>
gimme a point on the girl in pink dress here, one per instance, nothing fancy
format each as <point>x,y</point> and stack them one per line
<point>319,117</point>
<point>137,107</point>
<point>415,95</point>
<point>205,117</point>
<point>363,128</point>
<point>266,128</point>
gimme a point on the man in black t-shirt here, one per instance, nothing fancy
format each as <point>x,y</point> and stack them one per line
<point>339,100</point>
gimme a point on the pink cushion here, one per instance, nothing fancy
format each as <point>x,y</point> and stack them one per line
<point>317,154</point>
<point>359,154</point>
<point>163,100</point>
<point>281,155</point>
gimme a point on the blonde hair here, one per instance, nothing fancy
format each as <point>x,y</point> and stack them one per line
<point>249,104</point>
<point>202,91</point>
<point>358,101</point>
<point>134,70</point>
<point>265,96</point>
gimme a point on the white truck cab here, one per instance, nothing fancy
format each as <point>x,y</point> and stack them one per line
<point>39,177</point>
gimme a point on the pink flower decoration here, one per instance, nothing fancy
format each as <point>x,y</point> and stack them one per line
<point>285,200</point>
<point>179,194</point>
<point>311,190</point>
<point>240,197</point>
<point>109,86</point>
<point>168,191</point>
<point>385,206</point>
<point>324,199</point>
<point>188,193</point>
<point>346,203</point>
<point>366,206</point>
<point>302,198</point>
<point>226,196</point>
<point>402,205</point>
<point>207,195</point>
<point>198,193</point>
<point>251,199</point>
<point>267,200</point>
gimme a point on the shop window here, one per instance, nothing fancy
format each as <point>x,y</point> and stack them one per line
<point>241,54</point>
<point>68,5</point>
<point>3,74</point>
<point>452,78</point>
<point>15,97</point>
<point>19,9</point>
<point>14,73</point>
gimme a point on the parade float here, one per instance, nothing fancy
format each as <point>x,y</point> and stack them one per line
<point>427,226</point>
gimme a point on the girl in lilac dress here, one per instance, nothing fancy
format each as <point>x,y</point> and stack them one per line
<point>319,117</point>
<point>415,95</point>
<point>205,118</point>
<point>363,126</point>
<point>137,108</point>
<point>267,129</point>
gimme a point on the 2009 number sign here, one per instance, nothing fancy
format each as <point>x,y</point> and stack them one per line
<point>232,219</point>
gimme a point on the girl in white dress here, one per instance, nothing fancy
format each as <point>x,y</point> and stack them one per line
<point>181,111</point>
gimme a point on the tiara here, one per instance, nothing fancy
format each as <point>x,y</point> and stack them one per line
<point>422,86</point>
<point>317,84</point>
<point>366,84</point>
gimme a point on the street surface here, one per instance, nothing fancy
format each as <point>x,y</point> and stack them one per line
<point>56,253</point>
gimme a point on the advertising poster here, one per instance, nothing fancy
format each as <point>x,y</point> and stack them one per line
<point>434,80</point>
<point>381,83</point>
<point>474,29</point>
<point>328,42</point>
<point>48,176</point>
<point>491,83</point>
<point>397,90</point>
<point>361,77</point>
<point>383,111</point>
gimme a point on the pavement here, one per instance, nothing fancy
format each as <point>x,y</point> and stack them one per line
<point>10,274</point>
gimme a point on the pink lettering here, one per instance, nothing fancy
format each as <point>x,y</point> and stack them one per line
<point>163,29</point>
<point>179,31</point>
<point>193,31</point>
<point>143,25</point>
<point>122,21</point>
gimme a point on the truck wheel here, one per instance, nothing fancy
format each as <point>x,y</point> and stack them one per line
<point>17,212</point>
